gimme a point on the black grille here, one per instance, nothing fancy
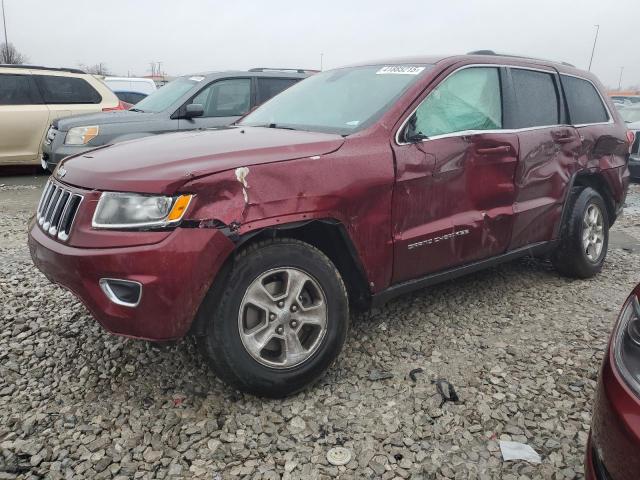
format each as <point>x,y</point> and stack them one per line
<point>635,148</point>
<point>57,210</point>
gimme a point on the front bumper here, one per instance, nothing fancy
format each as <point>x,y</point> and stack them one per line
<point>175,275</point>
<point>612,453</point>
<point>53,153</point>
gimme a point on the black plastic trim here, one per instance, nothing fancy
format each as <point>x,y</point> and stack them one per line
<point>393,291</point>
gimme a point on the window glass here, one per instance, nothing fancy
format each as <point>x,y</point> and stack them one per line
<point>167,95</point>
<point>536,99</point>
<point>130,97</point>
<point>226,98</point>
<point>270,87</point>
<point>467,100</point>
<point>585,104</point>
<point>66,90</point>
<point>340,101</point>
<point>17,90</point>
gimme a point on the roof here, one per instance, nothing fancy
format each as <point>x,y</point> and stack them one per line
<point>483,56</point>
<point>39,67</point>
<point>240,73</point>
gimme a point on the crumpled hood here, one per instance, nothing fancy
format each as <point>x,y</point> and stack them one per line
<point>162,163</point>
<point>102,118</point>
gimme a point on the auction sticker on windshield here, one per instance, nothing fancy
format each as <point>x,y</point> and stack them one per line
<point>400,70</point>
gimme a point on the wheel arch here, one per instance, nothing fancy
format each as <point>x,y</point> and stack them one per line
<point>595,180</point>
<point>327,235</point>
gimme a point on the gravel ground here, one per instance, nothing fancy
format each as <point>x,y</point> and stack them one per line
<point>521,345</point>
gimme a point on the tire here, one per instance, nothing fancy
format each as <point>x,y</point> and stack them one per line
<point>233,312</point>
<point>572,258</point>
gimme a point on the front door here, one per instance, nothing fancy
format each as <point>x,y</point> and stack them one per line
<point>454,194</point>
<point>223,101</point>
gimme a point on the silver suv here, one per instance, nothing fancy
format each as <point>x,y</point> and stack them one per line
<point>187,103</point>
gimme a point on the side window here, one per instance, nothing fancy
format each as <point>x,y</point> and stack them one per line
<point>537,103</point>
<point>468,100</point>
<point>130,97</point>
<point>225,98</point>
<point>585,104</point>
<point>270,87</point>
<point>18,90</point>
<point>66,90</point>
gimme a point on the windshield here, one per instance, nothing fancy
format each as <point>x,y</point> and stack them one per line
<point>339,101</point>
<point>630,114</point>
<point>167,95</point>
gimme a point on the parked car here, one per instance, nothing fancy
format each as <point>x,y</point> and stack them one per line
<point>631,116</point>
<point>626,99</point>
<point>32,97</point>
<point>353,186</point>
<point>131,89</point>
<point>614,441</point>
<point>187,103</point>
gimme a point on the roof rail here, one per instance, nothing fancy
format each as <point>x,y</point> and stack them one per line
<point>39,67</point>
<point>491,52</point>
<point>269,69</point>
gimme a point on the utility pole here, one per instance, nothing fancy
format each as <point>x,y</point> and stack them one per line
<point>595,40</point>
<point>620,80</point>
<point>6,42</point>
<point>321,55</point>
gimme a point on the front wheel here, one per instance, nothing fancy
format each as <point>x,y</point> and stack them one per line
<point>584,237</point>
<point>280,321</point>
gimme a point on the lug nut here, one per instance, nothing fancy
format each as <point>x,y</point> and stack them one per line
<point>272,316</point>
<point>279,330</point>
<point>293,324</point>
<point>281,303</point>
<point>294,308</point>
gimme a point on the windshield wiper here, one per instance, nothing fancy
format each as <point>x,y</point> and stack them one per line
<point>274,125</point>
<point>136,110</point>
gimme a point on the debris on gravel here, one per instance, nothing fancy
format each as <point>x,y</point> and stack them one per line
<point>521,345</point>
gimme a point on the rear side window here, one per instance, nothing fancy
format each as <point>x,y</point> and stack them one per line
<point>270,87</point>
<point>585,104</point>
<point>66,90</point>
<point>18,90</point>
<point>130,97</point>
<point>468,100</point>
<point>537,103</point>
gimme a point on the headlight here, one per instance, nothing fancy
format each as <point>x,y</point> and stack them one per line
<point>81,135</point>
<point>132,210</point>
<point>626,343</point>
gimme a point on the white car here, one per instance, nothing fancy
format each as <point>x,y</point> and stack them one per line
<point>131,89</point>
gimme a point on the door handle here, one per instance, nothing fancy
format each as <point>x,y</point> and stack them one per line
<point>494,150</point>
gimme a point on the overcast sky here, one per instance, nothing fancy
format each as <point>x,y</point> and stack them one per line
<point>198,35</point>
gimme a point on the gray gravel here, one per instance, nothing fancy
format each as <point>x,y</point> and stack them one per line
<point>521,345</point>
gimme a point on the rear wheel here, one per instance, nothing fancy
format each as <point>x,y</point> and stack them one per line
<point>280,321</point>
<point>584,237</point>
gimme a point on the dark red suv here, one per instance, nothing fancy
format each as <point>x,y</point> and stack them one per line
<point>614,443</point>
<point>355,185</point>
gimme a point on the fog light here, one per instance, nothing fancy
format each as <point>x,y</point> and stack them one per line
<point>122,292</point>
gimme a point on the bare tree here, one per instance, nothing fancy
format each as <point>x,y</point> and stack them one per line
<point>10,55</point>
<point>97,69</point>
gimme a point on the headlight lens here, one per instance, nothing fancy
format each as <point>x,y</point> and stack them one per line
<point>626,346</point>
<point>132,210</point>
<point>81,135</point>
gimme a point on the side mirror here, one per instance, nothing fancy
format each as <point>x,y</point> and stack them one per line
<point>193,110</point>
<point>410,135</point>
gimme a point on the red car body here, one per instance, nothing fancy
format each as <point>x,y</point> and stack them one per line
<point>376,197</point>
<point>613,450</point>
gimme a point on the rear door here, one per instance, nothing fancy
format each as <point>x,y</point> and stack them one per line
<point>549,146</point>
<point>224,101</point>
<point>455,163</point>
<point>269,87</point>
<point>23,118</point>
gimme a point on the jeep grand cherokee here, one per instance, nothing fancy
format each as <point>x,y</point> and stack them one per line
<point>352,186</point>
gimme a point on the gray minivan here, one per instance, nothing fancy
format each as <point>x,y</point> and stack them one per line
<point>187,103</point>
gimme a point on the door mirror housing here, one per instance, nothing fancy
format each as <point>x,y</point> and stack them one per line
<point>410,135</point>
<point>193,110</point>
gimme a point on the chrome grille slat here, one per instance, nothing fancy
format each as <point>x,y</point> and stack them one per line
<point>57,210</point>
